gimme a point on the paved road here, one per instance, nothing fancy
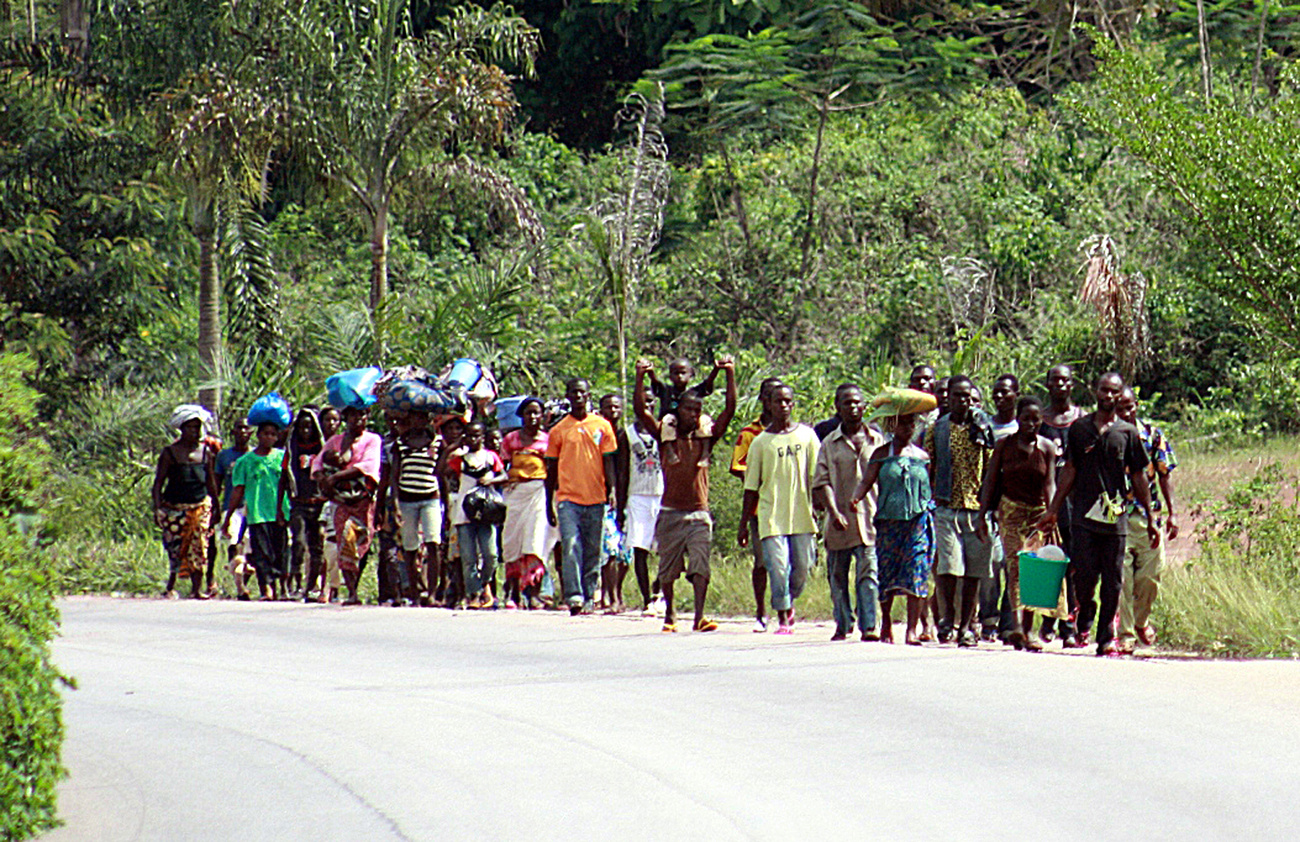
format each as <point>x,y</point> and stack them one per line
<point>225,720</point>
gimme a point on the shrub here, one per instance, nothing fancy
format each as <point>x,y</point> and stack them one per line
<point>30,709</point>
<point>1239,598</point>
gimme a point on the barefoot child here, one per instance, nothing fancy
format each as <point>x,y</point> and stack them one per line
<point>478,539</point>
<point>236,535</point>
<point>415,482</point>
<point>680,372</point>
<point>256,481</point>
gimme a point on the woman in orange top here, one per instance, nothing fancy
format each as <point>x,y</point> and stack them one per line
<point>527,538</point>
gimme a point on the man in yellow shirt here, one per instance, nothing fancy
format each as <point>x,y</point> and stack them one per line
<point>778,483</point>
<point>739,454</point>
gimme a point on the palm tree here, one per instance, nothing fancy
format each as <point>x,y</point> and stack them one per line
<point>382,107</point>
<point>216,131</point>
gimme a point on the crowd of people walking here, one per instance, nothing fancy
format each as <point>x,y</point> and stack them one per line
<point>916,492</point>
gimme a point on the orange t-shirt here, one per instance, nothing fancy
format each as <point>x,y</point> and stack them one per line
<point>580,448</point>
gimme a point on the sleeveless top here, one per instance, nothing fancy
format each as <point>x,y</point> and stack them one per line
<point>1023,474</point>
<point>300,456</point>
<point>903,485</point>
<point>187,483</point>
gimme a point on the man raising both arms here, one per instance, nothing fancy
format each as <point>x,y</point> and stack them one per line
<point>685,529</point>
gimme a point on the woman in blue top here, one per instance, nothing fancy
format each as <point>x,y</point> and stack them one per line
<point>904,530</point>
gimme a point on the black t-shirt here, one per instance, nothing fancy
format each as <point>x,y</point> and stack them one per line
<point>825,428</point>
<point>1102,462</point>
<point>670,396</point>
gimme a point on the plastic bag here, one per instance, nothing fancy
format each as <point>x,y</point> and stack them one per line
<point>484,504</point>
<point>354,388</point>
<point>508,413</point>
<point>270,409</point>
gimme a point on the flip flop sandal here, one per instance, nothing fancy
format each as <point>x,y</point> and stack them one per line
<point>706,625</point>
<point>669,628</point>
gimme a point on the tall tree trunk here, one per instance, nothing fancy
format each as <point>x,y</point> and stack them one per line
<point>1259,53</point>
<point>204,225</point>
<point>1203,38</point>
<point>805,247</point>
<point>378,273</point>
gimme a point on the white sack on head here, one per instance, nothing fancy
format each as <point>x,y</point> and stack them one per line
<point>187,412</point>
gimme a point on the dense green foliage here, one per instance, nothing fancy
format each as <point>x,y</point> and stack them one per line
<point>852,187</point>
<point>31,720</point>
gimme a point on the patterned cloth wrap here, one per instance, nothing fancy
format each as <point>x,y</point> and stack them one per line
<point>186,528</point>
<point>612,541</point>
<point>412,389</point>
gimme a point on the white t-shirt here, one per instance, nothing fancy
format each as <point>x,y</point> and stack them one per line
<point>645,471</point>
<point>481,458</point>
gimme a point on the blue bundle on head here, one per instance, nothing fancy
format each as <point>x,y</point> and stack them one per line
<point>354,388</point>
<point>270,409</point>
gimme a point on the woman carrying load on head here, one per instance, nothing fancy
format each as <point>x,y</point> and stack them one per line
<point>527,536</point>
<point>347,473</point>
<point>903,521</point>
<point>184,488</point>
<point>1020,482</point>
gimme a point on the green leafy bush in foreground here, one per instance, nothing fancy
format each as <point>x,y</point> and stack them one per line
<point>1240,596</point>
<point>31,721</point>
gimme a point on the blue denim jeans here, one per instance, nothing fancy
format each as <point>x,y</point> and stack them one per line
<point>838,565</point>
<point>478,554</point>
<point>788,559</point>
<point>580,531</point>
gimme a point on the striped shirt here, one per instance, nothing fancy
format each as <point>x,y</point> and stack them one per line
<point>418,472</point>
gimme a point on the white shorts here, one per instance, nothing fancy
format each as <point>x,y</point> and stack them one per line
<point>237,535</point>
<point>642,512</point>
<point>421,523</point>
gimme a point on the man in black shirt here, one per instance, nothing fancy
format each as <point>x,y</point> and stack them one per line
<point>1104,460</point>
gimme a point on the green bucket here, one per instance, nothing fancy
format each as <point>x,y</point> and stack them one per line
<point>1040,581</point>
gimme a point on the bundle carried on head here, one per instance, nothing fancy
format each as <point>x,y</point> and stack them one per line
<point>270,409</point>
<point>472,382</point>
<point>354,388</point>
<point>412,389</point>
<point>187,412</point>
<point>894,402</point>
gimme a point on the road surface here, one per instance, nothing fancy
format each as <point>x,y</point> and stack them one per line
<point>246,721</point>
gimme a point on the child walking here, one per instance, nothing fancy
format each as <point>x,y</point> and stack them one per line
<point>477,466</point>
<point>256,481</point>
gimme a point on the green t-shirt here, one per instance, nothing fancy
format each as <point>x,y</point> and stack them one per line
<point>780,468</point>
<point>260,476</point>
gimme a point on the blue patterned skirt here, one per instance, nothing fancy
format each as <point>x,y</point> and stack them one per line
<point>904,555</point>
